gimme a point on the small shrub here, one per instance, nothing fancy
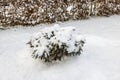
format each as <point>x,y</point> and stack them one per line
<point>54,43</point>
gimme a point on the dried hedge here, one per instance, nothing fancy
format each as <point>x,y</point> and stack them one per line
<point>31,12</point>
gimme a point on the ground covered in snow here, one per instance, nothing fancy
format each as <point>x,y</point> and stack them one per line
<point>100,59</point>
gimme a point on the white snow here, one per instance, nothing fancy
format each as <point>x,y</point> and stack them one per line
<point>69,8</point>
<point>100,59</point>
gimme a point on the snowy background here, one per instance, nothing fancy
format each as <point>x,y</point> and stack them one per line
<point>99,61</point>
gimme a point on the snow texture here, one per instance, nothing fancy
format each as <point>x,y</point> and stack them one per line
<point>99,61</point>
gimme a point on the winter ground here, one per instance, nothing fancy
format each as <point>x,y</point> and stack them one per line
<point>99,61</point>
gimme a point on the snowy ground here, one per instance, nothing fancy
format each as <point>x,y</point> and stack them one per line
<point>99,61</point>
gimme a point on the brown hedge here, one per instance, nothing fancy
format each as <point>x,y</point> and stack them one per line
<point>32,12</point>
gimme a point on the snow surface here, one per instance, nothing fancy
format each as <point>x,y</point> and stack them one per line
<point>99,61</point>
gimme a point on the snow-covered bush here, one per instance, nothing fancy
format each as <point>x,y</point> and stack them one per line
<point>54,43</point>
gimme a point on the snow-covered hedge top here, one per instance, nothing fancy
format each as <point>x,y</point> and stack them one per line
<point>57,35</point>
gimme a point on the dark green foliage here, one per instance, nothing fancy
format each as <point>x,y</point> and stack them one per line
<point>57,52</point>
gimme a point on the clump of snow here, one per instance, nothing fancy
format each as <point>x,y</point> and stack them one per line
<point>69,8</point>
<point>55,42</point>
